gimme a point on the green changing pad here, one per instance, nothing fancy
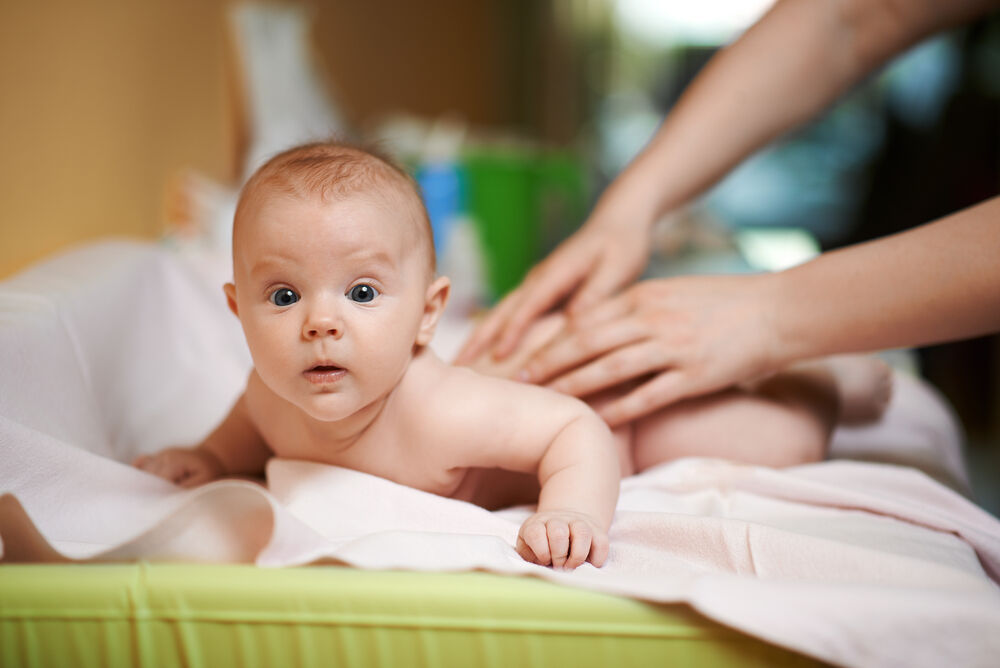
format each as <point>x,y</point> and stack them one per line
<point>207,615</point>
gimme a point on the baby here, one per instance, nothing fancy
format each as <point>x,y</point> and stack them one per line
<point>334,285</point>
<point>782,420</point>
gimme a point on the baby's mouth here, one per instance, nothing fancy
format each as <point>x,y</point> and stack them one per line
<point>322,374</point>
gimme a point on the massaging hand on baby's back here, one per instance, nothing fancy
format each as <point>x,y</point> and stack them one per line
<point>727,113</point>
<point>563,539</point>
<point>610,251</point>
<point>687,336</point>
<point>679,337</point>
<point>187,467</point>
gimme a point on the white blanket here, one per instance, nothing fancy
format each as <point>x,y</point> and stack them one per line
<point>123,348</point>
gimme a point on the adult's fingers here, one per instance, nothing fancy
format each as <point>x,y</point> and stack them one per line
<point>660,391</point>
<point>486,332</point>
<point>538,294</point>
<point>613,308</point>
<point>615,368</point>
<point>607,278</point>
<point>581,346</point>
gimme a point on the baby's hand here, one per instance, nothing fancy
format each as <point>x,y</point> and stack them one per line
<point>187,467</point>
<point>562,538</point>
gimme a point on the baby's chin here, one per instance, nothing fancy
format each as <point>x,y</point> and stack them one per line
<point>335,406</point>
<point>328,407</point>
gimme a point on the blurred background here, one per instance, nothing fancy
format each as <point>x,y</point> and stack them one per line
<point>141,119</point>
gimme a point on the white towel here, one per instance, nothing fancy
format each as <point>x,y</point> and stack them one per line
<point>121,348</point>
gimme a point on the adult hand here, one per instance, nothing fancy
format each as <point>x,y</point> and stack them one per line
<point>675,338</point>
<point>608,252</point>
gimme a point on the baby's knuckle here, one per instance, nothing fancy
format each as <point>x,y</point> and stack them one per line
<point>533,530</point>
<point>557,529</point>
<point>600,540</point>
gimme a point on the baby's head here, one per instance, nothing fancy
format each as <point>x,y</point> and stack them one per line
<point>331,172</point>
<point>333,276</point>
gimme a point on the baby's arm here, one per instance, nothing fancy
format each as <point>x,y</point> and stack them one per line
<point>234,448</point>
<point>490,422</point>
<point>579,477</point>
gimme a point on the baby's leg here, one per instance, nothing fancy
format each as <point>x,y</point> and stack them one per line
<point>783,420</point>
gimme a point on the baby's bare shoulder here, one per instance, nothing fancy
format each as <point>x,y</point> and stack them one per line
<point>467,419</point>
<point>462,400</point>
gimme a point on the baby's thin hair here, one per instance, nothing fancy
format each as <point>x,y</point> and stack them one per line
<point>335,170</point>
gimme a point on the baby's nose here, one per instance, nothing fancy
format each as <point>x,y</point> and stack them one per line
<point>318,331</point>
<point>322,324</point>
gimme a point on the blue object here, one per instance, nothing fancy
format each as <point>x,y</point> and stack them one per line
<point>442,186</point>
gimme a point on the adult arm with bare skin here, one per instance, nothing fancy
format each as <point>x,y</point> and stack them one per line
<point>803,53</point>
<point>697,334</point>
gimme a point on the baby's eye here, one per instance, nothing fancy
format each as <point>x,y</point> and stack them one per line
<point>284,297</point>
<point>362,293</point>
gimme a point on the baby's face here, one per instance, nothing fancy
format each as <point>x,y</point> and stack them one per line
<point>331,298</point>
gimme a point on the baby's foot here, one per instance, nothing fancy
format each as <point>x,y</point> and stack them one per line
<point>864,387</point>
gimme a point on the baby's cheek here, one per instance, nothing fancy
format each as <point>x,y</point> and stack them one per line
<point>385,370</point>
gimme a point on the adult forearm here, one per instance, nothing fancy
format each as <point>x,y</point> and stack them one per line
<point>781,72</point>
<point>935,283</point>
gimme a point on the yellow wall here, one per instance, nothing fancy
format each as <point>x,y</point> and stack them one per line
<point>100,103</point>
<point>104,102</point>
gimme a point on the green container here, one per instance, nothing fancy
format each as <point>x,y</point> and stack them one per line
<point>523,202</point>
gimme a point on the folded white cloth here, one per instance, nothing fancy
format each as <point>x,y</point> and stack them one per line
<point>116,349</point>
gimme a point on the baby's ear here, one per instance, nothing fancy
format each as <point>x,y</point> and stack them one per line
<point>230,290</point>
<point>435,299</point>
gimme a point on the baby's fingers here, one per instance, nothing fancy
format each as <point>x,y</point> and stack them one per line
<point>581,538</point>
<point>166,465</point>
<point>598,549</point>
<point>526,552</point>
<point>151,464</point>
<point>558,532</point>
<point>533,542</point>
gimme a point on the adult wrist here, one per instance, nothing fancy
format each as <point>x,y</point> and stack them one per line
<point>627,202</point>
<point>781,345</point>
